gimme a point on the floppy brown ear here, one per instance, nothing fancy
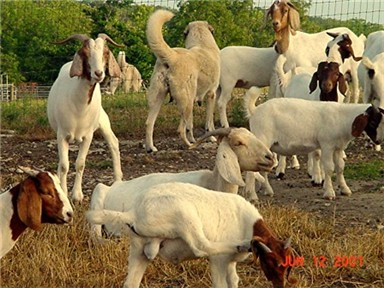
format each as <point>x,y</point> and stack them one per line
<point>342,84</point>
<point>29,205</point>
<point>359,124</point>
<point>294,17</point>
<point>113,66</point>
<point>77,66</point>
<point>313,83</point>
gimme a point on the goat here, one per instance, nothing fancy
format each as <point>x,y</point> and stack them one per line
<point>181,221</point>
<point>328,126</point>
<point>243,67</point>
<point>130,76</point>
<point>339,50</point>
<point>36,200</point>
<point>74,107</point>
<point>304,49</point>
<point>303,84</point>
<point>239,150</point>
<point>187,74</point>
<point>371,71</point>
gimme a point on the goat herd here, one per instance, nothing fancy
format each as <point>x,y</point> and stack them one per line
<point>181,216</point>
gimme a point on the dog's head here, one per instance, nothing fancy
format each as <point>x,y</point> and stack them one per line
<point>199,33</point>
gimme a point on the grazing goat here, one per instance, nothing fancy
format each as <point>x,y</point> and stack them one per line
<point>36,200</point>
<point>239,150</point>
<point>304,49</point>
<point>74,106</point>
<point>328,126</point>
<point>187,74</point>
<point>243,67</point>
<point>181,221</point>
<point>303,84</point>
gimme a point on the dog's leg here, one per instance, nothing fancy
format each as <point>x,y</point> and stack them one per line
<point>155,96</point>
<point>209,124</point>
<point>186,108</point>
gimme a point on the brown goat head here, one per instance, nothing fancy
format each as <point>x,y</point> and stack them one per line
<point>284,15</point>
<point>345,46</point>
<point>329,77</point>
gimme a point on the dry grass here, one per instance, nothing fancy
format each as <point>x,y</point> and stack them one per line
<point>66,257</point>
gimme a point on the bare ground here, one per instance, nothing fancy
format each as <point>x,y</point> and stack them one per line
<point>364,207</point>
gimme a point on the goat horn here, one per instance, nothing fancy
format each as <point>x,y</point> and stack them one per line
<point>80,37</point>
<point>29,171</point>
<point>218,132</point>
<point>263,247</point>
<point>287,242</point>
<point>105,37</point>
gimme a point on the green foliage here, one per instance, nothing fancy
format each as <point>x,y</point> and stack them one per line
<point>29,27</point>
<point>372,170</point>
<point>28,30</point>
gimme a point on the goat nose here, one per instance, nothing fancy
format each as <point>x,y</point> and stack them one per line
<point>70,214</point>
<point>275,23</point>
<point>99,73</point>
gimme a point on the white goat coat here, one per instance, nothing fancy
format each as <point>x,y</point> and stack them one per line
<point>180,221</point>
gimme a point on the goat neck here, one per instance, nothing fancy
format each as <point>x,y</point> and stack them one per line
<point>282,38</point>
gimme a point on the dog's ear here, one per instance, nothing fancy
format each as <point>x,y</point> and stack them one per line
<point>211,29</point>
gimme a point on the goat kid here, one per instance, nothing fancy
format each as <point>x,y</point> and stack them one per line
<point>239,150</point>
<point>328,126</point>
<point>210,224</point>
<point>36,200</point>
<point>75,110</point>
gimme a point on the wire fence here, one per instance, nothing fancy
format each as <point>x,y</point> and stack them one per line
<point>371,11</point>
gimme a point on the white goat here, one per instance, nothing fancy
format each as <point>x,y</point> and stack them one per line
<point>181,221</point>
<point>301,82</point>
<point>36,200</point>
<point>374,46</point>
<point>239,150</point>
<point>74,107</point>
<point>296,126</point>
<point>243,67</point>
<point>304,49</point>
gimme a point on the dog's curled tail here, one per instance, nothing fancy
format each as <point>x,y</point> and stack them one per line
<point>155,36</point>
<point>250,99</point>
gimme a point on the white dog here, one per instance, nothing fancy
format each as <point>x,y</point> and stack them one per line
<point>187,74</point>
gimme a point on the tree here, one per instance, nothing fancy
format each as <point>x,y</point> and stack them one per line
<point>28,30</point>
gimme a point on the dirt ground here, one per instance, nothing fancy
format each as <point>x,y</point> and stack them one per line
<point>364,207</point>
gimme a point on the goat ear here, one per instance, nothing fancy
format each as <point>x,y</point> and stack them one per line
<point>342,84</point>
<point>359,124</point>
<point>29,205</point>
<point>113,66</point>
<point>77,66</point>
<point>228,164</point>
<point>313,83</point>
<point>294,17</point>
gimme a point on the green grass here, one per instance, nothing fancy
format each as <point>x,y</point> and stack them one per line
<point>372,170</point>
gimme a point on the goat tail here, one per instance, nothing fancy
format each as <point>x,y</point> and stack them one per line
<point>155,36</point>
<point>110,217</point>
<point>250,99</point>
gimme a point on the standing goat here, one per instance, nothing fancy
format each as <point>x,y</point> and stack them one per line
<point>328,126</point>
<point>239,150</point>
<point>74,106</point>
<point>304,49</point>
<point>36,200</point>
<point>181,221</point>
<point>243,67</point>
<point>187,74</point>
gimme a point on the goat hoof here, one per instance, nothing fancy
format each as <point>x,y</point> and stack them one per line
<point>280,176</point>
<point>314,184</point>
